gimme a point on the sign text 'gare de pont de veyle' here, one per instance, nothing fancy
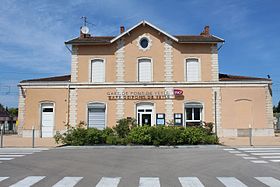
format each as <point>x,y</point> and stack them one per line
<point>147,95</point>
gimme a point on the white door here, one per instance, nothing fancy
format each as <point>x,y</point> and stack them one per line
<point>145,114</point>
<point>47,119</point>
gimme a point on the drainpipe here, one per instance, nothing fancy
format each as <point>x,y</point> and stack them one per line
<point>68,105</point>
<point>215,109</point>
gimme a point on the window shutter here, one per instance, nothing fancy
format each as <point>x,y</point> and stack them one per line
<point>144,70</point>
<point>96,115</point>
<point>97,71</point>
<point>192,70</point>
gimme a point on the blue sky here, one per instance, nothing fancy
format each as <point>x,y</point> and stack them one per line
<point>32,33</point>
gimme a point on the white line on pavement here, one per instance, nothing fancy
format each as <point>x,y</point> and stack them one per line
<point>241,155</point>
<point>229,149</point>
<point>6,158</point>
<point>275,160</point>
<point>269,181</point>
<point>259,161</point>
<point>109,182</point>
<point>270,156</point>
<point>249,158</point>
<point>11,155</point>
<point>149,182</point>
<point>190,182</point>
<point>262,151</point>
<point>259,154</point>
<point>231,182</point>
<point>3,178</point>
<point>234,152</point>
<point>15,153</point>
<point>28,181</point>
<point>68,182</point>
<point>258,148</point>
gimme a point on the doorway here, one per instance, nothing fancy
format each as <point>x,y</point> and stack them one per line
<point>47,119</point>
<point>145,114</point>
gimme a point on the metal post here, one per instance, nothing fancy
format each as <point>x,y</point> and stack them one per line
<point>33,137</point>
<point>2,128</point>
<point>250,135</point>
<point>215,108</point>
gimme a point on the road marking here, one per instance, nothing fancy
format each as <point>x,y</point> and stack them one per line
<point>249,157</point>
<point>109,182</point>
<point>259,148</point>
<point>3,178</point>
<point>275,160</point>
<point>229,149</point>
<point>68,182</point>
<point>190,182</point>
<point>15,153</point>
<point>259,161</point>
<point>6,158</point>
<point>270,156</point>
<point>11,155</point>
<point>28,181</point>
<point>241,155</point>
<point>231,182</point>
<point>149,182</point>
<point>259,154</point>
<point>269,181</point>
<point>234,152</point>
<point>262,151</point>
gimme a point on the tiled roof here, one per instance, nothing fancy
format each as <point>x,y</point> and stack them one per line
<point>103,40</point>
<point>227,77</point>
<point>222,77</point>
<point>64,78</point>
<point>4,113</point>
<point>91,40</point>
<point>198,39</point>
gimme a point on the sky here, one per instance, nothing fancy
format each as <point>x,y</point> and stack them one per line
<point>32,33</point>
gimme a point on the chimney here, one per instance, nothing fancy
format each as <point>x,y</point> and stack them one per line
<point>122,29</point>
<point>206,31</point>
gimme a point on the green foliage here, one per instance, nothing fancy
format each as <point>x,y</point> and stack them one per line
<point>124,126</point>
<point>276,109</point>
<point>126,133</point>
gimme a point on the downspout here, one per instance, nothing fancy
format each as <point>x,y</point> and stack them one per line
<point>68,106</point>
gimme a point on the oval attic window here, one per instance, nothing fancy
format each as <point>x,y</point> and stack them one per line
<point>144,42</point>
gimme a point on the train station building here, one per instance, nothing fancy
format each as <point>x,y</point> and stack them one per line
<point>150,75</point>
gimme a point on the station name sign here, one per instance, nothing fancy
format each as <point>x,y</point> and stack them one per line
<point>147,95</point>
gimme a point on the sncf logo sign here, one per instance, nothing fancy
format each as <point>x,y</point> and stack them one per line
<point>178,92</point>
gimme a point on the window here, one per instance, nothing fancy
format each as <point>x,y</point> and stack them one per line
<point>144,42</point>
<point>193,113</point>
<point>192,70</point>
<point>144,70</point>
<point>97,70</point>
<point>96,115</point>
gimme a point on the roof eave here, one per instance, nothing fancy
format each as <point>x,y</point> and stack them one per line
<point>140,23</point>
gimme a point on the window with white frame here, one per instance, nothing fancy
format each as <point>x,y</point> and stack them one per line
<point>144,70</point>
<point>96,115</point>
<point>193,112</point>
<point>97,70</point>
<point>192,69</point>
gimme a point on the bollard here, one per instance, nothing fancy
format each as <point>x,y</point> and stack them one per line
<point>2,128</point>
<point>33,137</point>
<point>250,135</point>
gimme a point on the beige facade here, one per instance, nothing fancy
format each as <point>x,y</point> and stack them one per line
<point>152,76</point>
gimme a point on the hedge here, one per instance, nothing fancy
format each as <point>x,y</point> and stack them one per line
<point>126,132</point>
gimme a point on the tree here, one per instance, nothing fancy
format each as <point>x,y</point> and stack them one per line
<point>276,109</point>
